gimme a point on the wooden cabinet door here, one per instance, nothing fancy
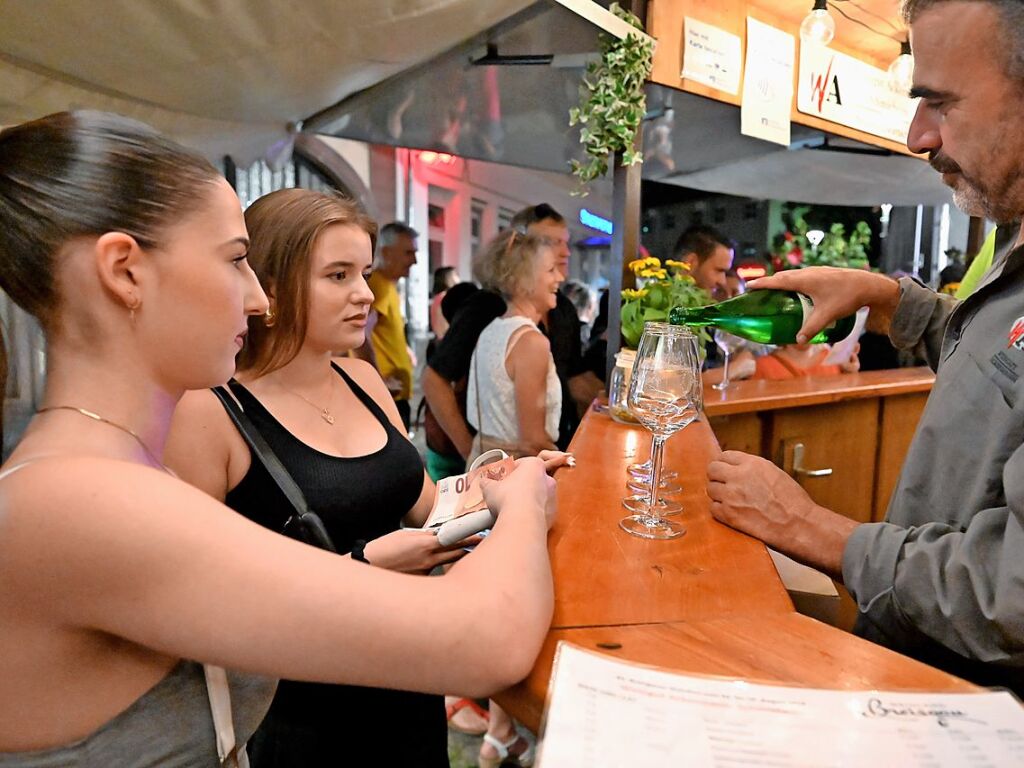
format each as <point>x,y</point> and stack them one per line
<point>739,432</point>
<point>900,415</point>
<point>842,437</point>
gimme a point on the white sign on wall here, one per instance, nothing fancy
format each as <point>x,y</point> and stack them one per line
<point>767,83</point>
<point>711,56</point>
<point>850,92</point>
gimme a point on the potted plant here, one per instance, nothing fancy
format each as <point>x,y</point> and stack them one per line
<point>660,288</point>
<point>612,101</point>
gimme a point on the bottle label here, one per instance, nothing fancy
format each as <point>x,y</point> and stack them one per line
<point>806,305</point>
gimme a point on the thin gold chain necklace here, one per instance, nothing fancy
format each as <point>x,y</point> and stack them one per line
<point>325,413</point>
<point>97,417</point>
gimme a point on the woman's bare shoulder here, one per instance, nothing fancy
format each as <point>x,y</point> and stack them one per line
<point>201,409</point>
<point>366,376</point>
<point>203,446</point>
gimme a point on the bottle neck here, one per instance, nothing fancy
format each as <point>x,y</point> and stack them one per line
<point>693,315</point>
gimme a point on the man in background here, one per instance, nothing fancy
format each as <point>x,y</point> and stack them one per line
<point>386,347</point>
<point>709,254</point>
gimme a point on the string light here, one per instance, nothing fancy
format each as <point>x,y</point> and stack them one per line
<point>901,71</point>
<point>818,26</point>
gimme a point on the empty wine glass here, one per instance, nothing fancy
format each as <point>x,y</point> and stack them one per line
<point>665,396</point>
<point>728,344</point>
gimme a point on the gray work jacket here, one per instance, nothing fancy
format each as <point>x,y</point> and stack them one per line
<point>943,578</point>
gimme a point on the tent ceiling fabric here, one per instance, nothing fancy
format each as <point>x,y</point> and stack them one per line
<point>227,77</point>
<point>827,178</point>
<point>696,142</point>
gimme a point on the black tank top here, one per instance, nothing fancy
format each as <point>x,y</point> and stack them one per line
<point>362,497</point>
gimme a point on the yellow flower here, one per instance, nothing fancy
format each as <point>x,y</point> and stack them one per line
<point>679,264</point>
<point>640,266</point>
<point>629,293</point>
<point>658,274</point>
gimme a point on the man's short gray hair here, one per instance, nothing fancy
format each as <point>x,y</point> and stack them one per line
<point>390,233</point>
<point>1012,13</point>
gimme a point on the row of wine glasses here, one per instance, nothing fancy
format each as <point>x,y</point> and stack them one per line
<point>665,396</point>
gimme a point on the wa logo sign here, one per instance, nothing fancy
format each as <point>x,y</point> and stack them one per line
<point>826,87</point>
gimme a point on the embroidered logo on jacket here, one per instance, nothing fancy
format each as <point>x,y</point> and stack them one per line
<point>1016,337</point>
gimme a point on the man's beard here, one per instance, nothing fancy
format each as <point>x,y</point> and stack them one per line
<point>971,198</point>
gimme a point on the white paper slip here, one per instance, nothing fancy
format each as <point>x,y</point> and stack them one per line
<point>606,713</point>
<point>711,56</point>
<point>842,350</point>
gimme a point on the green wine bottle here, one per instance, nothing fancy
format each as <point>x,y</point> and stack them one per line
<point>766,317</point>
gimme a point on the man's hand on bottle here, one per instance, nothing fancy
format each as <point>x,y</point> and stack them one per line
<point>837,293</point>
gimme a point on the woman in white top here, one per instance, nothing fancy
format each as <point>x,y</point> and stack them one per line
<point>514,398</point>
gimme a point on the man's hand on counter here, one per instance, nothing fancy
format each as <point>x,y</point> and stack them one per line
<point>837,293</point>
<point>753,495</point>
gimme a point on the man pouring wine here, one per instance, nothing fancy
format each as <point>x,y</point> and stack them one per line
<point>942,579</point>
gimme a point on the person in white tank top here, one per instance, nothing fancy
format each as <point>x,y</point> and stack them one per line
<point>514,397</point>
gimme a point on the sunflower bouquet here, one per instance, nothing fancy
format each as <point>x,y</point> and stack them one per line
<point>659,289</point>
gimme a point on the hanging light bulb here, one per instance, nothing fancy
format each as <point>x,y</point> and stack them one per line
<point>901,71</point>
<point>818,26</point>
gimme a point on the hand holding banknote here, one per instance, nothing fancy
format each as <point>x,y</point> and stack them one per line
<point>529,481</point>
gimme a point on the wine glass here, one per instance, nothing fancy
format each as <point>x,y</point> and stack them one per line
<point>665,396</point>
<point>642,471</point>
<point>728,344</point>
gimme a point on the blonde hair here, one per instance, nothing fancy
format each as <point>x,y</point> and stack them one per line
<point>507,262</point>
<point>284,227</point>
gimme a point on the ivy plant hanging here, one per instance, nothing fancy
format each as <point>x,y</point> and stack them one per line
<point>612,101</point>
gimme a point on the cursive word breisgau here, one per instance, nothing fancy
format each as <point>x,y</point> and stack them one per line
<point>943,716</point>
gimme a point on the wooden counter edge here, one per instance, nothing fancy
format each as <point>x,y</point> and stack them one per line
<point>789,650</point>
<point>754,396</point>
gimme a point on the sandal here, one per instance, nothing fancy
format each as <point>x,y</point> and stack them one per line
<point>504,750</point>
<point>458,705</point>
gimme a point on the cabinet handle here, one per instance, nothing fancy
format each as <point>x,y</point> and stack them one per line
<point>798,464</point>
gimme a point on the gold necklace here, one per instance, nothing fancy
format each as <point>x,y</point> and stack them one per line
<point>325,413</point>
<point>97,417</point>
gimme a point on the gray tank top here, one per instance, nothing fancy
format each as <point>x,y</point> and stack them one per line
<point>168,726</point>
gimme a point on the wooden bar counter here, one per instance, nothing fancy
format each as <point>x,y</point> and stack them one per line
<point>707,603</point>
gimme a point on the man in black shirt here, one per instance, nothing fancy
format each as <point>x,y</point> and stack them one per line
<point>446,372</point>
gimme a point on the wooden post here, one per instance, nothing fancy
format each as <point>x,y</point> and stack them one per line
<point>625,244</point>
<point>626,225</point>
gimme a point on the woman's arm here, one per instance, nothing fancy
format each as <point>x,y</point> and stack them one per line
<point>139,555</point>
<point>527,364</point>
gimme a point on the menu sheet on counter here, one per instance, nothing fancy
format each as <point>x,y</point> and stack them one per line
<point>607,713</point>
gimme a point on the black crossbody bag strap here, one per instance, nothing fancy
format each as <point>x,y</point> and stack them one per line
<point>304,524</point>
